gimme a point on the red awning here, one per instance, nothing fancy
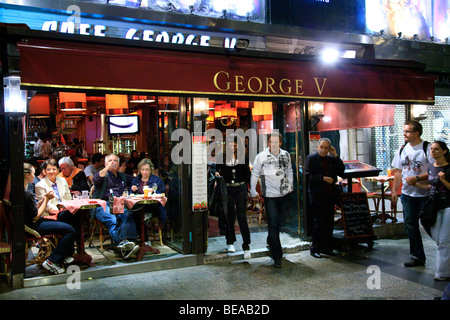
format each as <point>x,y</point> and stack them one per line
<point>69,65</point>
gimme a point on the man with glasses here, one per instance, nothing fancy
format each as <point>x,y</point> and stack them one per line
<point>410,165</point>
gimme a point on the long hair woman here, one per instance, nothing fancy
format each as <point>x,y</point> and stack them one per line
<point>439,181</point>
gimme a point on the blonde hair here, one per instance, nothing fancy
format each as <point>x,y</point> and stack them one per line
<point>144,162</point>
<point>27,169</point>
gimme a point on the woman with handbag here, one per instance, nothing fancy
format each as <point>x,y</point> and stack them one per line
<point>439,182</point>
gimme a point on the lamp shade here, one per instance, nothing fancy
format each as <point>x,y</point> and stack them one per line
<point>262,111</point>
<point>65,97</point>
<point>227,111</point>
<point>116,103</point>
<point>72,102</point>
<point>39,105</point>
<point>15,100</point>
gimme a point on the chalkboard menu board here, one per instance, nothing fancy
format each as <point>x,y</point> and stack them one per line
<point>356,215</point>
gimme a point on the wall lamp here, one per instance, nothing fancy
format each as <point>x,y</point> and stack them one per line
<point>329,55</point>
<point>415,37</point>
<point>241,44</point>
<point>15,100</point>
<point>317,112</point>
<point>399,34</point>
<point>381,32</point>
<point>418,111</point>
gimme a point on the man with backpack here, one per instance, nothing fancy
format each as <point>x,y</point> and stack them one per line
<point>410,165</point>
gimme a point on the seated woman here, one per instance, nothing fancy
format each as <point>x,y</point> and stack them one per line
<point>34,219</point>
<point>59,185</point>
<point>147,178</point>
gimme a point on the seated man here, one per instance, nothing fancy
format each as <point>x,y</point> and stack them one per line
<point>98,163</point>
<point>75,177</point>
<point>122,227</point>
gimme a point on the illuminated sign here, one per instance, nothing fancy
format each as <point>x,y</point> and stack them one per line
<point>163,36</point>
<point>413,19</point>
<point>131,34</point>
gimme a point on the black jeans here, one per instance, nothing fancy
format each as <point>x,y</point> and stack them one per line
<point>237,205</point>
<point>323,224</point>
<point>275,216</point>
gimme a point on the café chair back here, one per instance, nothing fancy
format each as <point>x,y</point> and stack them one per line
<point>46,245</point>
<point>5,243</point>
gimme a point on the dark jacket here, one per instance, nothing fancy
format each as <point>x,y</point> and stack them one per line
<point>136,181</point>
<point>315,172</point>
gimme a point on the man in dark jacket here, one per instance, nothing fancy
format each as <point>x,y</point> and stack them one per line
<point>122,227</point>
<point>322,169</point>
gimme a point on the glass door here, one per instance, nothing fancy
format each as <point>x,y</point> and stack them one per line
<point>291,119</point>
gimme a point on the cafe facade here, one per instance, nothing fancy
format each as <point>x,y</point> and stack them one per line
<point>190,76</point>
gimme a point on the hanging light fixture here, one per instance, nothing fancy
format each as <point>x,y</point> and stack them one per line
<point>39,105</point>
<point>262,111</point>
<point>228,115</point>
<point>116,103</point>
<point>72,101</point>
<point>141,99</point>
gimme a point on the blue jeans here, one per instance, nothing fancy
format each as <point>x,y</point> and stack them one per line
<point>411,209</point>
<point>275,216</point>
<point>65,245</point>
<point>121,226</point>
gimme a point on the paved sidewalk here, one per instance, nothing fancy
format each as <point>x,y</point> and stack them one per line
<point>350,277</point>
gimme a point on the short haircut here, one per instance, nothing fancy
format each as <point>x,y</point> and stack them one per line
<point>66,160</point>
<point>325,139</point>
<point>275,134</point>
<point>112,155</point>
<point>97,157</point>
<point>415,125</point>
<point>50,162</point>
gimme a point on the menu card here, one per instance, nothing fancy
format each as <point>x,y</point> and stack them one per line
<point>199,173</point>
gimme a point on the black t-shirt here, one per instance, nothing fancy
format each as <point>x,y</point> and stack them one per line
<point>440,192</point>
<point>30,208</point>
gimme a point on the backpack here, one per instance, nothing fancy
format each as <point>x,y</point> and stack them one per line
<point>425,147</point>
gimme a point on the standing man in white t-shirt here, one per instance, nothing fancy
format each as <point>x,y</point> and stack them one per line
<point>273,166</point>
<point>410,165</point>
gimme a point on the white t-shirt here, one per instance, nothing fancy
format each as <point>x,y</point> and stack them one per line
<point>413,162</point>
<point>277,178</point>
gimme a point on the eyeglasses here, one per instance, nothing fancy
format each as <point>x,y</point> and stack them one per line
<point>409,131</point>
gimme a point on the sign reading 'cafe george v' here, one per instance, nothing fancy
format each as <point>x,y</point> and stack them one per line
<point>157,70</point>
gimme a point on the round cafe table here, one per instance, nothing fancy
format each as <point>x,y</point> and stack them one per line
<point>382,180</point>
<point>82,205</point>
<point>143,247</point>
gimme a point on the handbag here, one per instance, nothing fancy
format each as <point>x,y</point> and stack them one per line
<point>428,213</point>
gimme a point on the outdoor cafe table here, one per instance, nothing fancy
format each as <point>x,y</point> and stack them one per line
<point>382,180</point>
<point>130,202</point>
<point>83,205</point>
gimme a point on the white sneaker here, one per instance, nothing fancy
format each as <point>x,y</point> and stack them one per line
<point>127,255</point>
<point>125,246</point>
<point>231,249</point>
<point>52,267</point>
<point>247,254</point>
<point>68,260</point>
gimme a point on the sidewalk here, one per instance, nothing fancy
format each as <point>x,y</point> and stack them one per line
<point>301,277</point>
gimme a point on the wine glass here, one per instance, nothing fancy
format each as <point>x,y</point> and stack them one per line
<point>154,187</point>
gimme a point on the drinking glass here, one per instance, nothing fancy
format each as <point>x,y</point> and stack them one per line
<point>154,187</point>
